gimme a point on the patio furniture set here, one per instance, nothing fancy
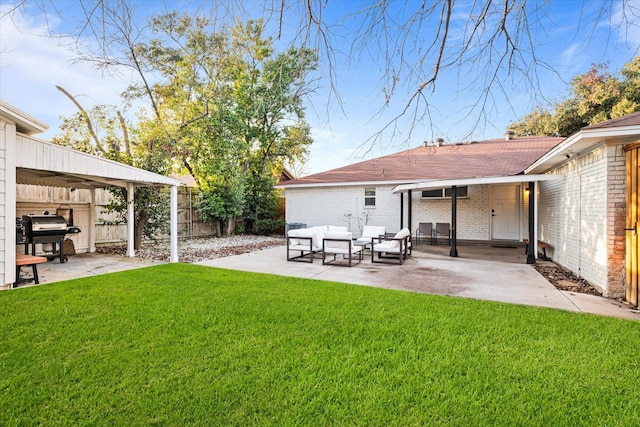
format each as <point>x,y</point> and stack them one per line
<point>337,243</point>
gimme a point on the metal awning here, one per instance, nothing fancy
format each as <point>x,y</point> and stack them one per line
<point>459,182</point>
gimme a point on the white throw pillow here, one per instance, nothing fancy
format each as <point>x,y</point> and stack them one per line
<point>400,235</point>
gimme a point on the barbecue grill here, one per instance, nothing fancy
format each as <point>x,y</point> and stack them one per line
<point>46,229</point>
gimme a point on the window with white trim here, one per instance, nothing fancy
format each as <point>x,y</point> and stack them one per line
<point>369,197</point>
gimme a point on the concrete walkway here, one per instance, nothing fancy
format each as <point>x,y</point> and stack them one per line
<point>434,273</point>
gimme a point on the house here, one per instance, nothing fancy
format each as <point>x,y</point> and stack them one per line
<point>581,192</point>
<point>25,159</point>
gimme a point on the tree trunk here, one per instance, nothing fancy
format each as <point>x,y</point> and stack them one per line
<point>138,230</point>
<point>218,229</point>
<point>230,226</point>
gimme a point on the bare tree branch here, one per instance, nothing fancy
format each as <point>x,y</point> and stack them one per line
<point>84,114</point>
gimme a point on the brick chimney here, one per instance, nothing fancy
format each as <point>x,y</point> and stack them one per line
<point>509,135</point>
<point>439,142</point>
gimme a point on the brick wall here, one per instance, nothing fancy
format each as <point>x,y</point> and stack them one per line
<point>344,205</point>
<point>581,215</point>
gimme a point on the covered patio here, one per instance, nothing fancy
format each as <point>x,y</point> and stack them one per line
<point>530,193</point>
<point>32,161</point>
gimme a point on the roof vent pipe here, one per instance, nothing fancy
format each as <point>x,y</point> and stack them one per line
<point>509,135</point>
<point>439,142</point>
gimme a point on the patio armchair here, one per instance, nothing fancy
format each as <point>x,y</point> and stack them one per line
<point>369,232</point>
<point>398,246</point>
<point>307,241</point>
<point>425,229</point>
<point>340,243</point>
<point>442,229</point>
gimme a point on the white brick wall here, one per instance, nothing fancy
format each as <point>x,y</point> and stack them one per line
<point>579,217</point>
<point>474,213</point>
<point>344,205</point>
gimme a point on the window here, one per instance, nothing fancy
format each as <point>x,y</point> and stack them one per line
<point>445,193</point>
<point>370,197</point>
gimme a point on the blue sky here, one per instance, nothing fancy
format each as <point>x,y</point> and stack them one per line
<point>571,37</point>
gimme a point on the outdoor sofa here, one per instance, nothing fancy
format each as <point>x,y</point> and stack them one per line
<point>305,242</point>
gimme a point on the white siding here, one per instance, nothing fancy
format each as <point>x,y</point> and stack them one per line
<point>7,201</point>
<point>3,191</point>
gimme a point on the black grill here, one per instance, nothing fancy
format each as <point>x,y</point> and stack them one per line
<point>46,229</point>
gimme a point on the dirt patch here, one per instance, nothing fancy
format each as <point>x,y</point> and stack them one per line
<point>565,280</point>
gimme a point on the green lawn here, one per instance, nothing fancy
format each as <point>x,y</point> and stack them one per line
<point>181,344</point>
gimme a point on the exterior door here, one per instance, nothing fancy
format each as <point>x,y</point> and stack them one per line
<point>505,212</point>
<point>631,227</point>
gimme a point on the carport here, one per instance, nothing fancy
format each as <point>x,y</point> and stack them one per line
<point>28,160</point>
<point>453,184</point>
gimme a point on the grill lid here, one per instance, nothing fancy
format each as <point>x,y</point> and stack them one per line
<point>35,223</point>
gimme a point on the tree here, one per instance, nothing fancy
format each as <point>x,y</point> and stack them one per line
<point>103,131</point>
<point>229,107</point>
<point>596,96</point>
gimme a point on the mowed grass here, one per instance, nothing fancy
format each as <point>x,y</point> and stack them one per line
<point>180,344</point>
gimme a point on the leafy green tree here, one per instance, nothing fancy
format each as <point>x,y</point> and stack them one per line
<point>595,96</point>
<point>231,106</point>
<point>103,131</point>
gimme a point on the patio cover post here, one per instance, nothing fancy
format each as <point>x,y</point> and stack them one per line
<point>174,224</point>
<point>531,254</point>
<point>454,215</point>
<point>130,222</point>
<point>401,211</point>
<point>409,210</point>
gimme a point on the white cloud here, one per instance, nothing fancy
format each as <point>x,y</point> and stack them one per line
<point>31,65</point>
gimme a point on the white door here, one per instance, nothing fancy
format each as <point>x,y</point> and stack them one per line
<point>505,212</point>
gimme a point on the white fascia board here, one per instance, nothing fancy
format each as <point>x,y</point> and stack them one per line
<point>340,184</point>
<point>581,143</point>
<point>23,121</point>
<point>446,183</point>
<point>68,161</point>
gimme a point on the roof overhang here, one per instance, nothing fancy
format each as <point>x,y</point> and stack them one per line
<point>582,142</point>
<point>25,123</point>
<point>447,183</point>
<point>44,163</point>
<point>339,184</point>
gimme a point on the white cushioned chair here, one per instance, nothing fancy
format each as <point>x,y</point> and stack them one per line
<point>340,243</point>
<point>307,241</point>
<point>369,232</point>
<point>396,247</point>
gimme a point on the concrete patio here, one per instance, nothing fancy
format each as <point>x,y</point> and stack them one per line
<point>480,272</point>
